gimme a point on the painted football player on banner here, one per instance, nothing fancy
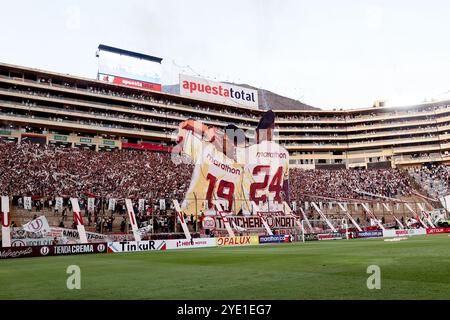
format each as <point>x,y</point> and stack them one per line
<point>217,178</point>
<point>266,171</point>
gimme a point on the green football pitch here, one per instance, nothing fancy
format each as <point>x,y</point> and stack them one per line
<point>416,268</point>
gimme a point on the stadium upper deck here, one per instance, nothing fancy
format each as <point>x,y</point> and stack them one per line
<point>73,111</point>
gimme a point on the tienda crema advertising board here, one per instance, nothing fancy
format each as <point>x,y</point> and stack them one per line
<point>218,92</point>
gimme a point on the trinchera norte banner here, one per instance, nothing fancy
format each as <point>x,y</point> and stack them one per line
<point>255,222</point>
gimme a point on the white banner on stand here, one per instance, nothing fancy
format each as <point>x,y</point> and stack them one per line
<point>78,219</point>
<point>6,222</point>
<point>141,206</point>
<point>180,217</point>
<point>112,204</point>
<point>132,217</point>
<point>91,204</point>
<point>162,204</point>
<point>58,203</point>
<point>27,203</point>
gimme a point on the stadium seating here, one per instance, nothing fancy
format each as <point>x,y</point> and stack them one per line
<point>49,171</point>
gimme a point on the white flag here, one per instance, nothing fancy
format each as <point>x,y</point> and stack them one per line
<point>39,224</point>
<point>141,205</point>
<point>6,222</point>
<point>91,204</point>
<point>445,201</point>
<point>58,203</point>
<point>162,204</point>
<point>240,229</point>
<point>144,230</point>
<point>27,203</point>
<point>112,204</point>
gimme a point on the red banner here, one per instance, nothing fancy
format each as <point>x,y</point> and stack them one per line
<point>145,146</point>
<point>437,230</point>
<point>131,83</point>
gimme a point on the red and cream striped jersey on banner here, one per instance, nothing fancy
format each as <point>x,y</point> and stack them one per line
<point>132,217</point>
<point>78,219</point>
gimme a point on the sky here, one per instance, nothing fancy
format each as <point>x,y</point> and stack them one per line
<point>329,54</point>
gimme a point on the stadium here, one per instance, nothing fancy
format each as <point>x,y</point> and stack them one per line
<point>215,190</point>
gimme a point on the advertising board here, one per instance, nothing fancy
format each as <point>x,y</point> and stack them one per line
<point>41,251</point>
<point>137,246</point>
<point>369,234</point>
<point>129,68</point>
<point>195,243</point>
<point>218,92</point>
<point>388,233</point>
<point>275,238</point>
<point>237,241</point>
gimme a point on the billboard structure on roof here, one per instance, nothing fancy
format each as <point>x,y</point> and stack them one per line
<point>218,92</point>
<point>129,68</point>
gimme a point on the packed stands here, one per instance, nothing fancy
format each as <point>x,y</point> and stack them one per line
<point>343,183</point>
<point>34,170</point>
<point>434,179</point>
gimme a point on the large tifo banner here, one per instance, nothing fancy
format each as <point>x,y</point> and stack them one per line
<point>218,92</point>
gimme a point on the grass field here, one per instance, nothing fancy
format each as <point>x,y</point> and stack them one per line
<point>417,268</point>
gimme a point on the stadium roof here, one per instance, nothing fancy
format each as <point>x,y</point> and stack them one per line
<point>129,53</point>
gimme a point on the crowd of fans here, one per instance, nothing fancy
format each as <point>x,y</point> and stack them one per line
<point>170,116</point>
<point>147,97</point>
<point>435,179</point>
<point>35,170</point>
<point>144,122</point>
<point>31,169</point>
<point>371,115</point>
<point>346,183</point>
